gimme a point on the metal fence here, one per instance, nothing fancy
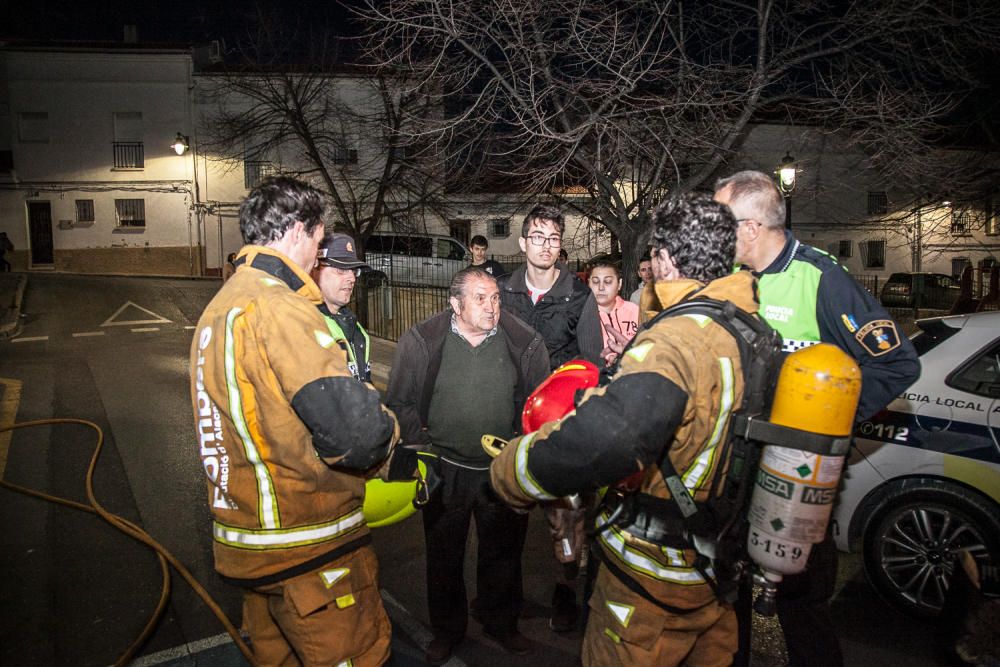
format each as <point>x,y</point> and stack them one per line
<point>387,311</point>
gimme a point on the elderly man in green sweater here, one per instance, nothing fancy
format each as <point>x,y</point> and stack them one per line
<point>456,376</point>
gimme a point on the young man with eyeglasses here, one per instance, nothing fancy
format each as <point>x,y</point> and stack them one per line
<point>559,306</point>
<point>548,296</point>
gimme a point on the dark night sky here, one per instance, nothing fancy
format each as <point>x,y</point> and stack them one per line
<point>197,22</point>
<point>177,21</point>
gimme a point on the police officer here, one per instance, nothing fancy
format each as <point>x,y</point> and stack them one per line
<point>670,399</point>
<point>287,437</point>
<point>337,269</point>
<point>809,298</point>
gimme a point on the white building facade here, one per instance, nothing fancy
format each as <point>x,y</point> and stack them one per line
<point>875,229</point>
<point>89,182</point>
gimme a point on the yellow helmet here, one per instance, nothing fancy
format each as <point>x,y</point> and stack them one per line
<point>387,503</point>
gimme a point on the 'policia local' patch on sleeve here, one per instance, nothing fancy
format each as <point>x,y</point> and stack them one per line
<point>878,337</point>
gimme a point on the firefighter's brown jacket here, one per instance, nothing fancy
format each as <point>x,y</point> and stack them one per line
<point>675,390</point>
<point>286,434</point>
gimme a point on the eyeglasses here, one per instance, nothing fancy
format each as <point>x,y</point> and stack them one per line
<point>552,241</point>
<point>750,220</point>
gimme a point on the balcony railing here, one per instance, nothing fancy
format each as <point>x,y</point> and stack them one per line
<point>129,155</point>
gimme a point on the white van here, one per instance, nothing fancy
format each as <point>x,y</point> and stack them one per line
<point>415,259</point>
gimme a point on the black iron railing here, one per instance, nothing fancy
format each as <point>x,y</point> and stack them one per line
<point>387,310</point>
<point>129,155</point>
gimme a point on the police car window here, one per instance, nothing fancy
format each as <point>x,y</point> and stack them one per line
<point>981,375</point>
<point>932,333</point>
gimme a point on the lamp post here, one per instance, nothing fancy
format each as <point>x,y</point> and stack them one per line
<point>181,144</point>
<point>786,183</point>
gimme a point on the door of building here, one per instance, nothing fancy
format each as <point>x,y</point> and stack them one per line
<point>460,229</point>
<point>40,232</point>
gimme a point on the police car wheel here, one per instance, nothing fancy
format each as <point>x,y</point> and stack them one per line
<point>912,541</point>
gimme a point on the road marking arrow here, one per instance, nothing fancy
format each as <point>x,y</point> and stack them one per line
<point>111,321</point>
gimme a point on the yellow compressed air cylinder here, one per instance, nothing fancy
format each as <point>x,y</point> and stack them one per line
<point>817,391</point>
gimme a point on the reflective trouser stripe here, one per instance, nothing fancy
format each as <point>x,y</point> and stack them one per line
<point>244,538</point>
<point>267,503</point>
<point>634,560</point>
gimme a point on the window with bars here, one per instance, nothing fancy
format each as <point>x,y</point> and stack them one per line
<point>873,253</point>
<point>255,171</point>
<point>343,155</point>
<point>844,249</point>
<point>961,222</point>
<point>878,203</point>
<point>498,228</point>
<point>131,212</point>
<point>992,226</point>
<point>129,155</point>
<point>84,210</point>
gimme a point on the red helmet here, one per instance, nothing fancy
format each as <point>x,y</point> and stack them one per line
<point>553,398</point>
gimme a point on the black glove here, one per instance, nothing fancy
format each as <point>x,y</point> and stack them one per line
<point>405,466</point>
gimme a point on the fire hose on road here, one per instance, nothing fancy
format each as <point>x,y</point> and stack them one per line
<point>165,558</point>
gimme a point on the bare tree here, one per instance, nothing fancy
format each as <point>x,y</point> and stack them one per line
<point>633,99</point>
<point>285,101</point>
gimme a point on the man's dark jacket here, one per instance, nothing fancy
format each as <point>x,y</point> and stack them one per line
<point>418,359</point>
<point>566,316</point>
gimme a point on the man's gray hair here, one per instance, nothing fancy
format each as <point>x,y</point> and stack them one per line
<point>753,194</point>
<point>462,278</point>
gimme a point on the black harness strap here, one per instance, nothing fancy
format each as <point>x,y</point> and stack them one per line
<point>786,436</point>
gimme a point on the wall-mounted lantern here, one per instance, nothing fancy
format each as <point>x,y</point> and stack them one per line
<point>181,144</point>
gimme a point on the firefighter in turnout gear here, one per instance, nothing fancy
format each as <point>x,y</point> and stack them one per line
<point>287,438</point>
<point>666,407</point>
<point>809,298</point>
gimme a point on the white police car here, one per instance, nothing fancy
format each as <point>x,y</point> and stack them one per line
<point>923,480</point>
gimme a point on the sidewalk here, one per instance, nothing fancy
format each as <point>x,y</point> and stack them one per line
<point>381,361</point>
<point>11,294</point>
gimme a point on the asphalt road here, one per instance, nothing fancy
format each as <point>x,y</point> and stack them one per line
<point>73,592</point>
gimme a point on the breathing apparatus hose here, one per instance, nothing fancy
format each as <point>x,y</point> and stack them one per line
<point>165,558</point>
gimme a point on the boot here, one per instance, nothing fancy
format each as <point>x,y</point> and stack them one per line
<point>564,609</point>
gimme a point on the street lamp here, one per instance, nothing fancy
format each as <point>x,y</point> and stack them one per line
<point>786,183</point>
<point>786,175</point>
<point>181,144</point>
